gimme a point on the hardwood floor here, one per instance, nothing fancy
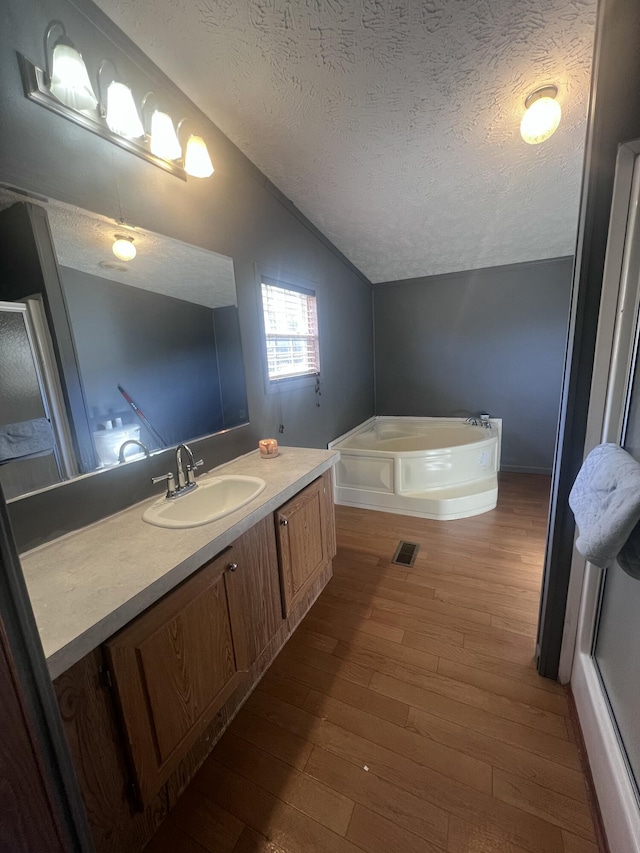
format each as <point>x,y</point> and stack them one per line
<point>405,714</point>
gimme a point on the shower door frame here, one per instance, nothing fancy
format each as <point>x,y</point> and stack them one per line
<point>616,350</point>
<point>46,372</point>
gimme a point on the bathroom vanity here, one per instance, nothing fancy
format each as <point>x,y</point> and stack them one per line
<point>155,637</point>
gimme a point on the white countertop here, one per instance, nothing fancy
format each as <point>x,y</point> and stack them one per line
<point>88,584</point>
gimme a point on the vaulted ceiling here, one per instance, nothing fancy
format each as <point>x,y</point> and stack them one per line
<point>392,124</point>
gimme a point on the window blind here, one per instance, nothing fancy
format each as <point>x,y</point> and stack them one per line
<point>291,331</point>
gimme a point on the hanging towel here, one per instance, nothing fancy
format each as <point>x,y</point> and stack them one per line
<point>26,439</point>
<point>605,500</point>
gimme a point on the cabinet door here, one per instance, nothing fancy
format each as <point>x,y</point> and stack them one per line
<point>173,667</point>
<point>253,591</point>
<point>306,538</point>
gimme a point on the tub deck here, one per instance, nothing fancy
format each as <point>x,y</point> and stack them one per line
<point>439,468</point>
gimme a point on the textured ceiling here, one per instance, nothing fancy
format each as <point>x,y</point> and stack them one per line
<point>83,242</point>
<point>392,124</point>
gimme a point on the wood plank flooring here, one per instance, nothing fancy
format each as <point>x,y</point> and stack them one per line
<point>405,714</point>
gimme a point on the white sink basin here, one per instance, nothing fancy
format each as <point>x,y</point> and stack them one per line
<point>214,498</point>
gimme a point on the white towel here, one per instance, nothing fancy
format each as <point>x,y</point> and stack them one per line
<point>26,439</point>
<point>605,500</point>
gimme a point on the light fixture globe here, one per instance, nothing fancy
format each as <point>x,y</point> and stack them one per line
<point>123,248</point>
<point>163,140</point>
<point>542,115</point>
<point>121,114</point>
<point>70,82</point>
<point>197,162</point>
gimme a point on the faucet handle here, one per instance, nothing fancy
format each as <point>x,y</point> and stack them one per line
<point>191,477</point>
<point>171,487</point>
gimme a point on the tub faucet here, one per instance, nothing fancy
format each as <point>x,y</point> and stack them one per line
<point>121,456</point>
<point>188,482</point>
<point>483,420</point>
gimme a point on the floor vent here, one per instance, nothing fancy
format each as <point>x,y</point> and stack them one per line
<point>406,554</point>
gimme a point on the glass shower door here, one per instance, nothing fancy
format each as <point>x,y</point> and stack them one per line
<point>30,393</point>
<point>617,638</point>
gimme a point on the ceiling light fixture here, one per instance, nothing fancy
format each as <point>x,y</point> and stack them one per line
<point>123,248</point>
<point>542,115</point>
<point>67,74</point>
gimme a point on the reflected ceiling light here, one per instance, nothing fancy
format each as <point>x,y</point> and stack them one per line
<point>542,115</point>
<point>163,139</point>
<point>123,248</point>
<point>117,106</point>
<point>68,76</point>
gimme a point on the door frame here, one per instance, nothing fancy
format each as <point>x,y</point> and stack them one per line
<point>614,354</point>
<point>613,115</point>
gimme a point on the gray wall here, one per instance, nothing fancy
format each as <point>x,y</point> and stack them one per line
<point>162,350</point>
<point>237,213</point>
<point>490,340</point>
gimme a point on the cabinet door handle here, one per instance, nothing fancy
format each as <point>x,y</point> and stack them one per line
<point>232,567</point>
<point>284,522</point>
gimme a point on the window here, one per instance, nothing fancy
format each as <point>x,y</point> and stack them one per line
<point>290,330</point>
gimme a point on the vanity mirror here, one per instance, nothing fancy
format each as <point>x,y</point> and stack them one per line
<point>125,357</point>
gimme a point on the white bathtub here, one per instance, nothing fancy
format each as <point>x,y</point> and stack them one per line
<point>442,468</point>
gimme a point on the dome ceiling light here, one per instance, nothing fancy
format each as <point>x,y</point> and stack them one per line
<point>123,248</point>
<point>542,115</point>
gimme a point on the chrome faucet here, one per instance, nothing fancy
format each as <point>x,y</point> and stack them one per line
<point>121,456</point>
<point>186,481</point>
<point>483,420</point>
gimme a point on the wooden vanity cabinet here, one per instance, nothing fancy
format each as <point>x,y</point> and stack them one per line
<point>306,538</point>
<point>178,673</point>
<point>177,664</point>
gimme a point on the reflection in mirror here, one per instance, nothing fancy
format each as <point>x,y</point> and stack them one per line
<point>152,345</point>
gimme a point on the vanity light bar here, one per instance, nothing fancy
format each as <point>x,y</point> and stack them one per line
<point>37,87</point>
